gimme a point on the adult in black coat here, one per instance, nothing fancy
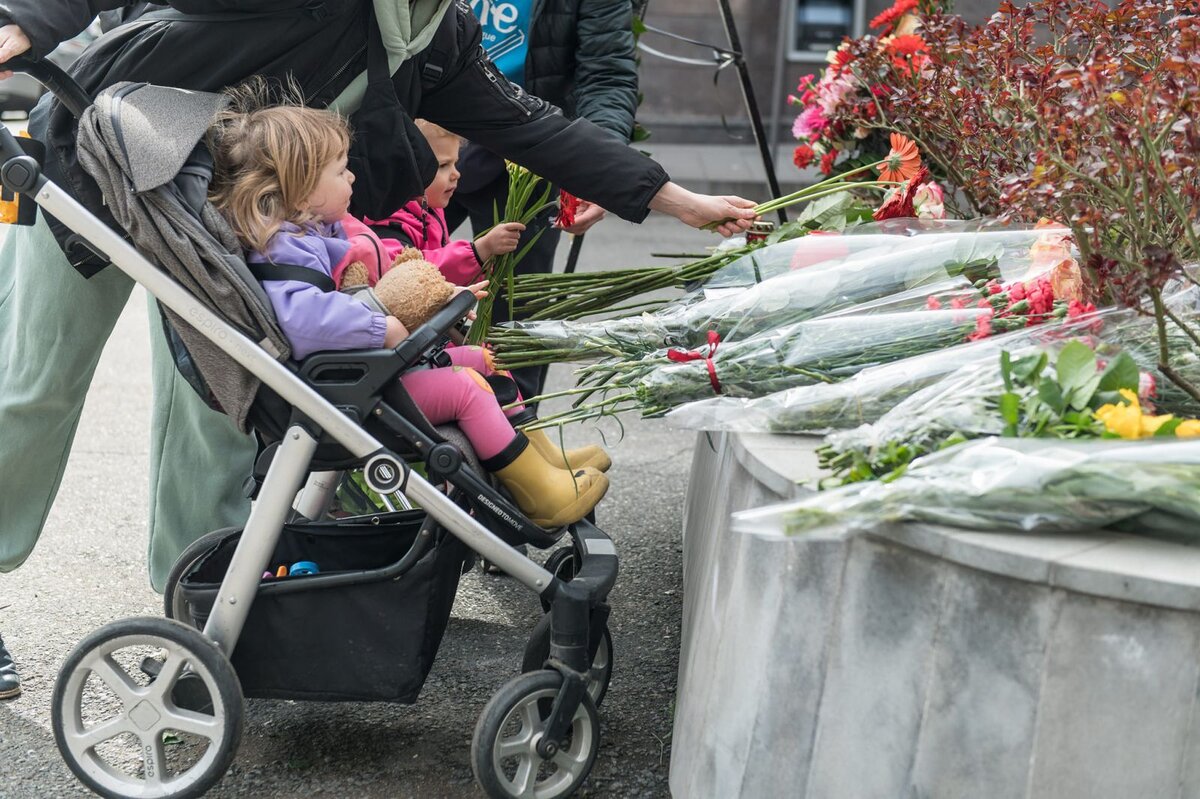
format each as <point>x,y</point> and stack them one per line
<point>577,55</point>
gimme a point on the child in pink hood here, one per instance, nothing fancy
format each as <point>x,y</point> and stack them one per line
<point>422,222</point>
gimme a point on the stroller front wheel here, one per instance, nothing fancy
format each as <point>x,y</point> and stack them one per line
<point>126,734</point>
<point>504,752</point>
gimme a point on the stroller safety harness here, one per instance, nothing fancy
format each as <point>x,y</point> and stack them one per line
<point>131,722</point>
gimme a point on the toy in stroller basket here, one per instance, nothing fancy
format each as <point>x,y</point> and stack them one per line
<point>375,596</point>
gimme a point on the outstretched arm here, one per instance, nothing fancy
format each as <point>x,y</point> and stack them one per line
<point>475,101</point>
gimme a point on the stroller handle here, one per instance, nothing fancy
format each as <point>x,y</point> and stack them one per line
<point>55,79</point>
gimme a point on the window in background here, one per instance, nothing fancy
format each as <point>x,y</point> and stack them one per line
<point>818,26</point>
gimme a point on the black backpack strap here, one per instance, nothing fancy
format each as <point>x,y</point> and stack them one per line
<point>394,232</point>
<point>303,274</point>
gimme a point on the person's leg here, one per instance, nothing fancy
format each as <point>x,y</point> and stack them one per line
<point>53,325</point>
<point>480,359</point>
<point>552,497</point>
<point>199,463</point>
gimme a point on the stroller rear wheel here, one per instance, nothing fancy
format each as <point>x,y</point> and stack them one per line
<point>124,734</point>
<point>173,605</point>
<point>504,752</point>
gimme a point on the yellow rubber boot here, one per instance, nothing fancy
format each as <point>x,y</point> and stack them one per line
<point>580,458</point>
<point>551,497</point>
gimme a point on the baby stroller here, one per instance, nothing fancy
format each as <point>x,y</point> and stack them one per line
<point>362,610</point>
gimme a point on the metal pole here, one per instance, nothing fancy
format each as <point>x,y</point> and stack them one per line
<point>756,124</point>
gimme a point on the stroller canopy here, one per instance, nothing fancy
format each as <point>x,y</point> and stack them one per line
<point>144,147</point>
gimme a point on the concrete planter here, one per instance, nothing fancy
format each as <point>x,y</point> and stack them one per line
<point>926,662</point>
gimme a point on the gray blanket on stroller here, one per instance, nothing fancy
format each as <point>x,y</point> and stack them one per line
<point>134,141</point>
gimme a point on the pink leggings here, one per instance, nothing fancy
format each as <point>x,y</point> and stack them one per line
<point>460,394</point>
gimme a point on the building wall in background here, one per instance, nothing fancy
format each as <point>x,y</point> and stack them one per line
<point>681,102</point>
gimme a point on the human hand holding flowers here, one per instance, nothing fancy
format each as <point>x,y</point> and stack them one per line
<point>500,240</point>
<point>726,214</point>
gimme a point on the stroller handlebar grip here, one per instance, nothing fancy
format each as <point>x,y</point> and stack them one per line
<point>436,328</point>
<point>55,79</point>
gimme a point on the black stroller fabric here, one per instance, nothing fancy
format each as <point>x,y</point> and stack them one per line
<point>373,641</point>
<point>140,144</point>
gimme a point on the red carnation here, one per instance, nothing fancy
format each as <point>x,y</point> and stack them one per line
<point>900,202</point>
<point>568,206</point>
<point>983,327</point>
<point>827,162</point>
<point>803,156</point>
<point>889,17</point>
<point>933,303</point>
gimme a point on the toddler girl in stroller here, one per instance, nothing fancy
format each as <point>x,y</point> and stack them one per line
<point>282,181</point>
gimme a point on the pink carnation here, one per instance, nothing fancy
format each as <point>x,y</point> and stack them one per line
<point>810,124</point>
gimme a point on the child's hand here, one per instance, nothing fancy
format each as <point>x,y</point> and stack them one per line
<point>396,332</point>
<point>501,239</point>
<point>478,289</point>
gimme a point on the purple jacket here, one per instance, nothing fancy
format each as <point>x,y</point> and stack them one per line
<point>313,319</point>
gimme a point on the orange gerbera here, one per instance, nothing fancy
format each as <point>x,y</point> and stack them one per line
<point>902,162</point>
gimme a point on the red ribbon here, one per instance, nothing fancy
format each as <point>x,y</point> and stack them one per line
<point>685,356</point>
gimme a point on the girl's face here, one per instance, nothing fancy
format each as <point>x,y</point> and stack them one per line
<point>331,199</point>
<point>438,193</point>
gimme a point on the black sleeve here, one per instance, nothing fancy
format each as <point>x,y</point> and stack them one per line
<point>606,80</point>
<point>48,23</point>
<point>474,100</point>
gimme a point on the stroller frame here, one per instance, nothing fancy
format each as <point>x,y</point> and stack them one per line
<point>575,604</point>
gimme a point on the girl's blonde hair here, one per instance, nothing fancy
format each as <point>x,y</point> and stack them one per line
<point>268,159</point>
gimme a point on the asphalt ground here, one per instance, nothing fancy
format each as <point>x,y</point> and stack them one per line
<point>89,569</point>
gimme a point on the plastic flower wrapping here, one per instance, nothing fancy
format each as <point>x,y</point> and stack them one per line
<point>803,279</point>
<point>1015,484</point>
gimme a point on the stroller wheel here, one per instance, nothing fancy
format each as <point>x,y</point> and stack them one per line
<point>124,734</point>
<point>537,652</point>
<point>173,605</point>
<point>504,752</point>
<point>563,563</point>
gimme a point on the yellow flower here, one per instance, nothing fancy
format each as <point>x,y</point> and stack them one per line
<point>1124,419</point>
<point>1188,428</point>
<point>1150,424</point>
<point>1117,97</point>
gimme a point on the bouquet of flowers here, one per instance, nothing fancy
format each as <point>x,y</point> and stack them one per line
<point>527,198</point>
<point>1029,485</point>
<point>869,395</point>
<point>807,278</point>
<point>823,350</point>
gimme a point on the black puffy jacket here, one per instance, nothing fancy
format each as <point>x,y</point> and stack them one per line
<point>322,45</point>
<point>581,58</point>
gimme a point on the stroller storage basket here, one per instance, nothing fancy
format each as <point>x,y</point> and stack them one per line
<point>374,639</point>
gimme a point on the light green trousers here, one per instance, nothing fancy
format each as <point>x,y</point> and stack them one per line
<point>53,325</point>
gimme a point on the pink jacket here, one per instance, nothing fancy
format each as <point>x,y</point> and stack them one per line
<point>417,226</point>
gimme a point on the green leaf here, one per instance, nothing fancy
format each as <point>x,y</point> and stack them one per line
<point>825,211</point>
<point>1081,396</point>
<point>1121,372</point>
<point>1026,370</point>
<point>1006,369</point>
<point>1010,407</point>
<point>1076,365</point>
<point>1051,393</point>
<point>1167,429</point>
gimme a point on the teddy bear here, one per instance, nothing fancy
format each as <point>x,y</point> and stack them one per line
<point>412,289</point>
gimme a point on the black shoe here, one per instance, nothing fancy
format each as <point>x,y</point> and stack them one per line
<point>10,683</point>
